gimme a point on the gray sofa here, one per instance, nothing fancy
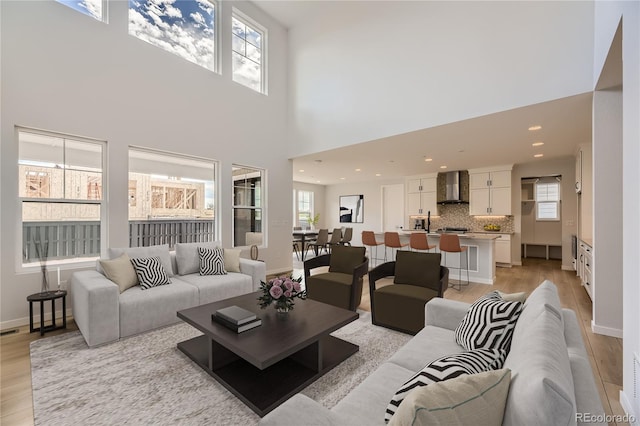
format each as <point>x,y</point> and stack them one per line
<point>103,314</point>
<point>551,377</point>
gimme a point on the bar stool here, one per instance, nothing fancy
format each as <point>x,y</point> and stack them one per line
<point>450,243</point>
<point>369,239</point>
<point>419,241</point>
<point>392,240</point>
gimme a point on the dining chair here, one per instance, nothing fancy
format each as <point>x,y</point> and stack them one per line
<point>347,235</point>
<point>450,243</point>
<point>321,242</point>
<point>297,243</point>
<point>392,241</point>
<point>336,237</point>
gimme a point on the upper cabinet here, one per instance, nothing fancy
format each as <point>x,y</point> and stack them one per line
<point>490,191</point>
<point>421,195</point>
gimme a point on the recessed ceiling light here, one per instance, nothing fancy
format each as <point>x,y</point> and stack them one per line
<point>537,144</point>
<point>538,155</point>
<point>378,174</point>
<point>301,170</point>
<point>317,181</point>
<point>443,167</point>
<point>357,170</point>
<point>534,128</point>
<point>341,178</point>
<point>428,159</point>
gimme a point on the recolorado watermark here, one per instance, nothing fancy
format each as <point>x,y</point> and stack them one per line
<point>604,418</point>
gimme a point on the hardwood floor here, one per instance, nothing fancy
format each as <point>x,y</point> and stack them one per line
<point>605,352</point>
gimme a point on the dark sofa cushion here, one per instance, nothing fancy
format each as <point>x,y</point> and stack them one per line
<point>417,268</point>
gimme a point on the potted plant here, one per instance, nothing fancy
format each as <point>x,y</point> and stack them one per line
<point>313,221</point>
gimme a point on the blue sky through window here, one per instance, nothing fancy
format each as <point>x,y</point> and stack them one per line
<point>185,27</point>
<point>92,8</point>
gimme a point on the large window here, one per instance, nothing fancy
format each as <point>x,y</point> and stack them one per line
<point>304,208</point>
<point>248,192</point>
<point>248,52</point>
<point>61,184</point>
<point>172,198</point>
<point>186,28</point>
<point>93,8</point>
<point>548,199</point>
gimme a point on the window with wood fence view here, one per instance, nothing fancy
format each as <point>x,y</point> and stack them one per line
<point>170,197</point>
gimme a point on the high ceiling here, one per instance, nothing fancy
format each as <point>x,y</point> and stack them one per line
<point>496,139</point>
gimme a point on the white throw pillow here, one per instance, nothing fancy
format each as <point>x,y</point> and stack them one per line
<point>445,368</point>
<point>232,260</point>
<point>473,399</point>
<point>120,271</point>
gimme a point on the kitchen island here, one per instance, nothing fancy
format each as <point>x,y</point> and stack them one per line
<point>482,265</point>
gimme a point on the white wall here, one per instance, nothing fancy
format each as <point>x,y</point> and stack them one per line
<point>607,17</point>
<point>561,166</point>
<point>66,72</point>
<point>607,239</point>
<point>373,69</point>
<point>372,192</point>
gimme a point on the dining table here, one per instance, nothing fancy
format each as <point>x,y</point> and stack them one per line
<point>305,235</point>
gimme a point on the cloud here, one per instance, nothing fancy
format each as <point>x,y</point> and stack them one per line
<point>188,35</point>
<point>198,18</point>
<point>94,7</point>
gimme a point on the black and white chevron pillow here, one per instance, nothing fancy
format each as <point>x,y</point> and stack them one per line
<point>150,272</point>
<point>489,323</point>
<point>445,368</point>
<point>211,261</point>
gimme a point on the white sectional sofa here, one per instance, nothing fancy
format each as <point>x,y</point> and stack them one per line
<point>551,378</point>
<point>104,314</point>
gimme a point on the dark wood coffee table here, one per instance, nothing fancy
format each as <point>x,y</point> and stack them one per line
<point>265,366</point>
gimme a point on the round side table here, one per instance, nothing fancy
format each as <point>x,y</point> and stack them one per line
<point>42,298</point>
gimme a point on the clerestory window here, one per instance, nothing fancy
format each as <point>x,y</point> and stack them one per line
<point>248,41</point>
<point>186,28</point>
<point>94,8</point>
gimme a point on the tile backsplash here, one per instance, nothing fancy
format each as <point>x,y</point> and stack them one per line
<point>457,215</point>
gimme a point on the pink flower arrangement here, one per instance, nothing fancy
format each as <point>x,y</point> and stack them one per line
<point>280,292</point>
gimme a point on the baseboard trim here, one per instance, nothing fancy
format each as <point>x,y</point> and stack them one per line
<point>20,322</point>
<point>628,409</point>
<point>568,268</point>
<point>607,331</point>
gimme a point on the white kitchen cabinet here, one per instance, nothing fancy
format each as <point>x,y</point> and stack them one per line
<point>585,266</point>
<point>490,191</point>
<point>503,249</point>
<point>421,195</point>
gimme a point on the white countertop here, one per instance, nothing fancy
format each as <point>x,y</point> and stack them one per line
<point>469,235</point>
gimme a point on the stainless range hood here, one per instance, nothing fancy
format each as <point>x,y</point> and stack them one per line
<point>453,189</point>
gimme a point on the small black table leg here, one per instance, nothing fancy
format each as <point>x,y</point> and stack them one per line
<point>64,311</point>
<point>41,318</point>
<point>30,317</point>
<point>53,314</point>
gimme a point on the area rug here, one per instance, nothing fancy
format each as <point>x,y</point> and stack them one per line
<point>145,379</point>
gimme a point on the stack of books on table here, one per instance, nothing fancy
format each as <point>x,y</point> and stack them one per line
<point>236,318</point>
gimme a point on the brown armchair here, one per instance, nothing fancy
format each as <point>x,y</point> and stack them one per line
<point>418,278</point>
<point>342,285</point>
